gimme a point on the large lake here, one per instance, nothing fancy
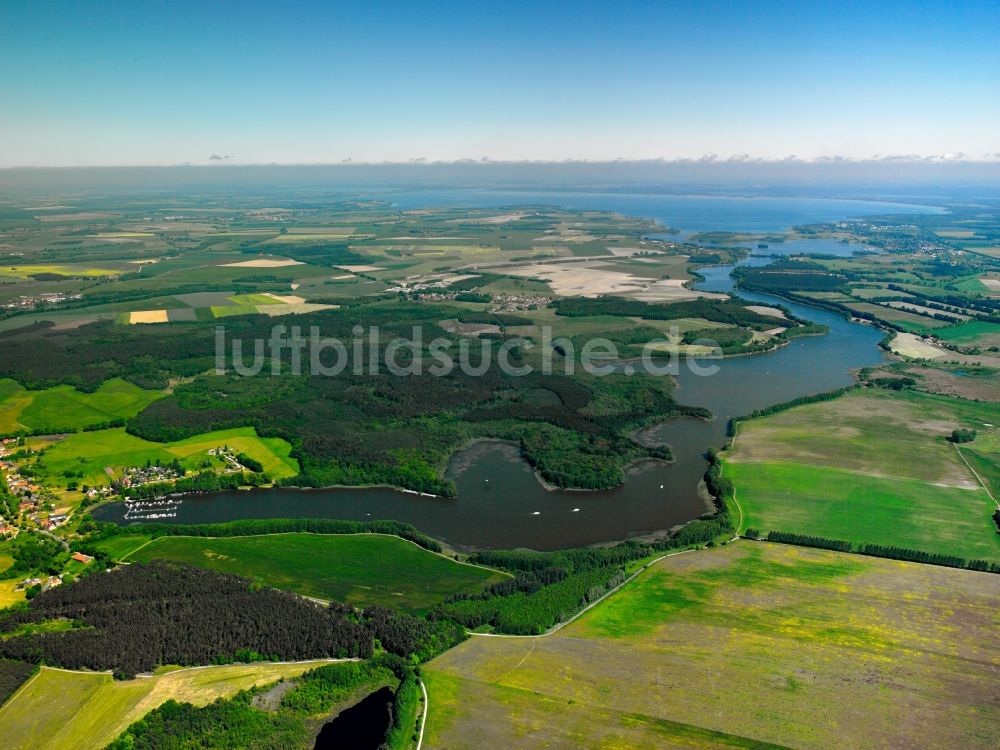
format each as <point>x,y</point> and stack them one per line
<point>500,503</point>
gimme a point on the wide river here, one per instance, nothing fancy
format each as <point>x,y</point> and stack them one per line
<point>500,503</point>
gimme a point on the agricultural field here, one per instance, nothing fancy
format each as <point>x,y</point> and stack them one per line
<point>973,332</point>
<point>361,570</point>
<point>153,260</point>
<point>750,645</point>
<point>908,320</point>
<point>59,709</point>
<point>64,408</point>
<point>846,469</point>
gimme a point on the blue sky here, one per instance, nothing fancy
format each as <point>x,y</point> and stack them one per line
<point>321,82</point>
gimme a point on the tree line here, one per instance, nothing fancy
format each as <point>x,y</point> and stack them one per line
<point>883,550</point>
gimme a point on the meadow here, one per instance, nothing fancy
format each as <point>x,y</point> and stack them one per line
<point>361,570</point>
<point>978,332</point>
<point>836,504</point>
<point>86,710</point>
<point>750,645</point>
<point>63,408</point>
<point>846,469</point>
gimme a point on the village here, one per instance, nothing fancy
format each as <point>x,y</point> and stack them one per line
<point>27,504</point>
<point>29,507</point>
<point>30,302</point>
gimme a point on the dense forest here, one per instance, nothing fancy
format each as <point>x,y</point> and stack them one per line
<point>726,311</point>
<point>13,674</point>
<point>136,618</point>
<point>790,275</point>
<point>373,428</point>
<point>383,429</point>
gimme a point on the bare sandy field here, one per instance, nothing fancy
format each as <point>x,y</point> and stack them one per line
<point>71,325</point>
<point>321,231</point>
<point>426,239</point>
<point>360,269</point>
<point>293,308</point>
<point>628,252</point>
<point>498,219</point>
<point>469,329</point>
<point>774,312</point>
<point>576,279</point>
<point>83,216</point>
<point>265,263</point>
<point>911,345</point>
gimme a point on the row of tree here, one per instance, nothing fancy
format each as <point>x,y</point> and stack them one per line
<point>879,550</point>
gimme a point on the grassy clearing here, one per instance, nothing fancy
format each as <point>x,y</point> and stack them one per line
<point>65,408</point>
<point>770,633</point>
<point>60,709</point>
<point>872,467</point>
<point>95,453</point>
<point>358,569</point>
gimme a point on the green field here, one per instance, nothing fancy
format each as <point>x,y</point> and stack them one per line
<point>118,547</point>
<point>843,505</point>
<point>361,569</point>
<point>60,709</point>
<point>65,408</point>
<point>94,453</point>
<point>870,467</point>
<point>971,332</point>
<point>741,646</point>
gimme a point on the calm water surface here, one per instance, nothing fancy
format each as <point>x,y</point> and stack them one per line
<point>500,503</point>
<point>360,727</point>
